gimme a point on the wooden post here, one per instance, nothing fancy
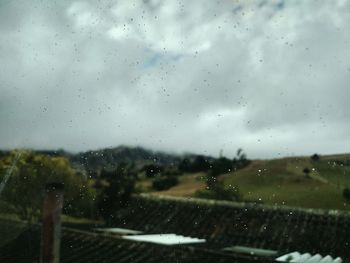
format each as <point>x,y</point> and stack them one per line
<point>51,225</point>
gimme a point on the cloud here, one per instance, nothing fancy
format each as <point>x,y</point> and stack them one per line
<point>268,76</point>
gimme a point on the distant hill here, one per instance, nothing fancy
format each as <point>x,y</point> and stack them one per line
<point>109,158</point>
<point>283,182</point>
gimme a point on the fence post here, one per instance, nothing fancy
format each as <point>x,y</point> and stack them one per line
<point>51,225</point>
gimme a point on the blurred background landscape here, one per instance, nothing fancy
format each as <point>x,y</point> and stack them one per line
<point>100,182</point>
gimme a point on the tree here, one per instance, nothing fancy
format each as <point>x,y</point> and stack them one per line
<point>218,167</point>
<point>346,194</point>
<point>185,165</point>
<point>221,166</point>
<point>306,171</point>
<point>200,164</point>
<point>240,161</point>
<point>117,193</point>
<point>152,170</point>
<point>25,188</point>
<point>194,164</point>
<point>229,194</point>
<point>315,157</point>
<point>219,192</point>
<point>211,179</point>
<point>164,182</point>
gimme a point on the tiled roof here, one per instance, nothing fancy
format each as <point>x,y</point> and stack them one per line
<point>222,224</point>
<point>78,246</point>
<point>225,224</point>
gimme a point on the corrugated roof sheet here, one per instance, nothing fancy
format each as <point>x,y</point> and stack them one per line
<point>165,239</point>
<point>298,257</point>
<point>223,224</point>
<point>83,247</point>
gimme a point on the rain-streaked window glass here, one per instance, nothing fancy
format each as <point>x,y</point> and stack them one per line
<point>174,131</point>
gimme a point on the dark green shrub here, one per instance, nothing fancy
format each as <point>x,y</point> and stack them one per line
<point>116,194</point>
<point>315,157</point>
<point>152,170</point>
<point>164,183</point>
<point>219,192</point>
<point>346,194</point>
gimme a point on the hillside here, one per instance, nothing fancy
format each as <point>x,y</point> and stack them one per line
<point>276,182</point>
<point>108,158</point>
<point>282,182</point>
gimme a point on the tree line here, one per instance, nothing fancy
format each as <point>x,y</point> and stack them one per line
<point>98,197</point>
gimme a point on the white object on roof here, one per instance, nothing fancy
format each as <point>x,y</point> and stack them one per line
<point>327,259</point>
<point>290,257</point>
<point>305,257</point>
<point>119,231</point>
<point>314,259</point>
<point>296,257</point>
<point>165,239</point>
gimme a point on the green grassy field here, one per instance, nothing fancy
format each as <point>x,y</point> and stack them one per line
<point>187,186</point>
<point>282,182</point>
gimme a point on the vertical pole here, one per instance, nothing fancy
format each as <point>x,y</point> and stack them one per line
<point>51,226</point>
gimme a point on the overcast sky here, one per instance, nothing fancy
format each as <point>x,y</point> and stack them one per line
<point>272,77</point>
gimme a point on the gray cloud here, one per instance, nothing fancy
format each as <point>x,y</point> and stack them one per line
<point>269,76</point>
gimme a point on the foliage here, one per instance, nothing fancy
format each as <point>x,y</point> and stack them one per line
<point>152,170</point>
<point>197,164</point>
<point>171,171</point>
<point>164,182</point>
<point>200,164</point>
<point>210,179</point>
<point>224,165</point>
<point>240,161</point>
<point>109,158</point>
<point>315,157</point>
<point>215,188</point>
<point>185,165</point>
<point>217,166</point>
<point>84,205</point>
<point>346,194</point>
<point>116,194</point>
<point>306,171</point>
<point>25,188</point>
<point>219,192</point>
<point>221,166</point>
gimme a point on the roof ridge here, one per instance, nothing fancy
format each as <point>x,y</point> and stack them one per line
<point>241,205</point>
